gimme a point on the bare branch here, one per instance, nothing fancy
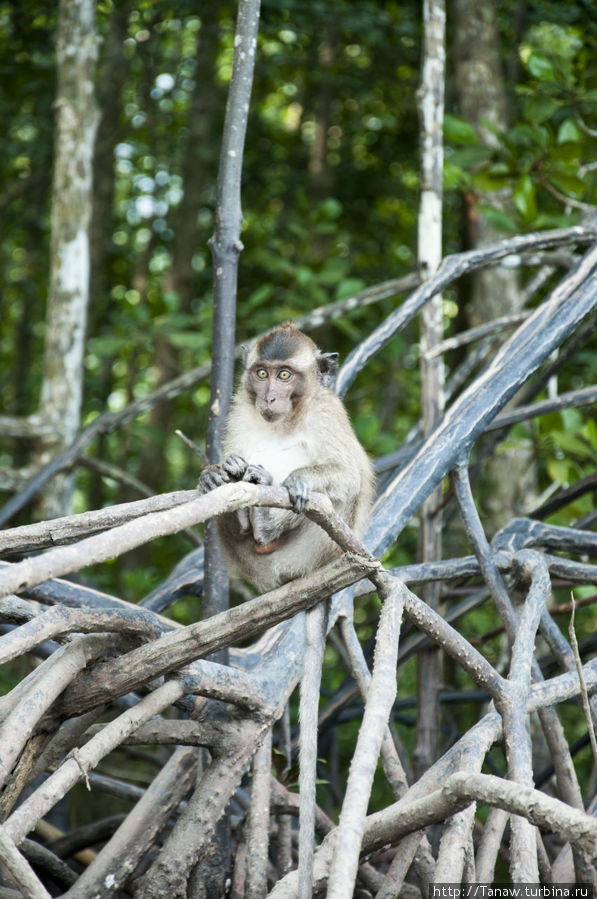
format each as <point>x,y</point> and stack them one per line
<point>59,531</point>
<point>380,698</point>
<point>583,687</point>
<point>73,769</point>
<point>452,268</point>
<point>259,821</point>
<point>20,869</point>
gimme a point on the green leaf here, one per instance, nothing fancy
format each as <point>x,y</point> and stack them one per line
<point>498,219</point>
<point>107,345</point>
<point>471,156</point>
<point>305,276</point>
<point>333,271</point>
<point>568,183</point>
<point>574,446</point>
<point>559,471</point>
<point>565,220</point>
<point>590,431</point>
<point>539,109</point>
<point>525,199</point>
<point>459,131</point>
<point>454,176</point>
<point>523,135</point>
<point>540,67</point>
<point>488,181</point>
<point>330,208</point>
<point>571,419</point>
<point>569,131</point>
<point>569,152</point>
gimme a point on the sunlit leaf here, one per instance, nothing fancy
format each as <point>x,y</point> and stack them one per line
<point>540,67</point>
<point>524,198</point>
<point>569,130</point>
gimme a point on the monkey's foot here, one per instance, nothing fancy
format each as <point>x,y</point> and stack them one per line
<point>235,466</point>
<point>299,492</point>
<point>232,469</point>
<point>257,474</point>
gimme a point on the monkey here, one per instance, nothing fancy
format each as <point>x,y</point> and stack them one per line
<point>287,427</point>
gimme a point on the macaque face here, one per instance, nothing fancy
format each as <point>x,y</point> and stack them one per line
<point>275,386</point>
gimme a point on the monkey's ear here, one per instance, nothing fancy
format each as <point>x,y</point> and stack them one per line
<point>327,364</point>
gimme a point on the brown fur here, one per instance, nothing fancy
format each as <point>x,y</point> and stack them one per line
<point>312,443</point>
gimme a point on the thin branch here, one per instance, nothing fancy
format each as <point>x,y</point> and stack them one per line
<point>592,132</point>
<point>315,629</point>
<point>258,843</point>
<point>75,768</point>
<point>583,687</point>
<point>565,198</point>
<point>380,698</point>
<point>19,724</point>
<point>141,828</point>
<point>487,328</point>
<point>20,870</point>
<point>452,268</point>
<point>59,531</point>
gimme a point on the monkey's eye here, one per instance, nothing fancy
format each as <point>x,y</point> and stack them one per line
<point>261,373</point>
<point>284,374</point>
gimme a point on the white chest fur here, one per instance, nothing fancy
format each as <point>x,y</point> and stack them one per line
<point>278,452</point>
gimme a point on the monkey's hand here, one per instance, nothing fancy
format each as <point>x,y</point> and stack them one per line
<point>232,469</point>
<point>299,492</point>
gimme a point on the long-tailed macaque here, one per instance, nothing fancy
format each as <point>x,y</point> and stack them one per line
<point>287,427</point>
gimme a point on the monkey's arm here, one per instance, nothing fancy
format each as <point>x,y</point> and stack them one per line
<point>336,481</point>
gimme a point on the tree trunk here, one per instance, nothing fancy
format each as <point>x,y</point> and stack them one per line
<point>112,73</point>
<point>431,113</point>
<point>76,122</point>
<point>496,290</point>
<point>482,99</point>
<point>226,247</point>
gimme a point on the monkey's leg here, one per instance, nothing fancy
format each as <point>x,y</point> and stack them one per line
<point>254,474</point>
<point>299,491</point>
<point>269,524</point>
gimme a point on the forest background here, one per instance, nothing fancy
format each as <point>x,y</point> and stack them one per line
<point>331,181</point>
<point>330,192</point>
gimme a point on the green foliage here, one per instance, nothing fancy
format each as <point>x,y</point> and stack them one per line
<point>545,158</point>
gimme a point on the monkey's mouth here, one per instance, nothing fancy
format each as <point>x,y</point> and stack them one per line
<point>270,415</point>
